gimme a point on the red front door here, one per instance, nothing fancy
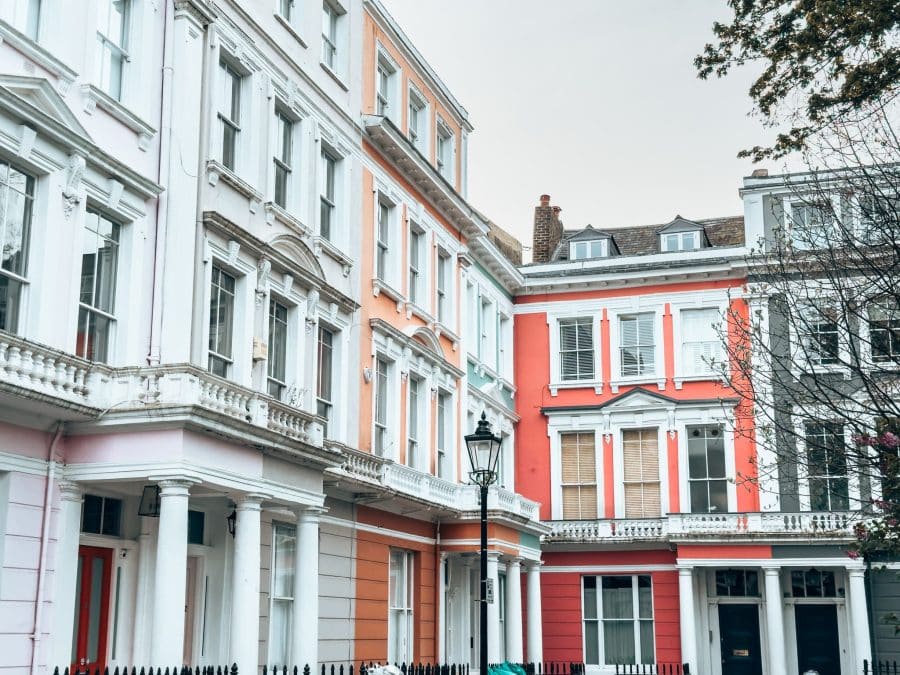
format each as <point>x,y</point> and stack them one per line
<point>92,609</point>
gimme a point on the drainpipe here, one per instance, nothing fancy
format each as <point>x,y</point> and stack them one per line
<point>438,628</point>
<point>162,203</point>
<point>45,536</point>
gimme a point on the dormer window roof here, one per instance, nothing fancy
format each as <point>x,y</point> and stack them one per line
<point>589,243</point>
<point>682,234</point>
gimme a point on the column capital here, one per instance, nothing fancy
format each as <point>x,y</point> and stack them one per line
<point>310,514</point>
<point>532,565</point>
<point>514,562</point>
<point>70,491</point>
<point>493,556</point>
<point>250,501</point>
<point>771,569</point>
<point>174,487</point>
<point>685,570</point>
<point>856,571</point>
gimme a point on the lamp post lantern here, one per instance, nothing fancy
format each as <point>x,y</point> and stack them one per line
<point>484,452</point>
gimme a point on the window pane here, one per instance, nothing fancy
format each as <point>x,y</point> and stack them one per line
<point>617,598</point>
<point>591,642</point>
<point>618,641</point>
<point>283,561</point>
<point>10,294</point>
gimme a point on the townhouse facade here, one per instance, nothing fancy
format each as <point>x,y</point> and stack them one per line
<point>237,434</point>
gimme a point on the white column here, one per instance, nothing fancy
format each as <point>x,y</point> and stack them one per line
<point>493,635</point>
<point>514,611</point>
<point>245,585</point>
<point>305,620</point>
<point>442,609</point>
<point>143,603</point>
<point>775,620</point>
<point>859,617</point>
<point>66,572</point>
<point>688,619</point>
<point>535,621</point>
<point>167,632</point>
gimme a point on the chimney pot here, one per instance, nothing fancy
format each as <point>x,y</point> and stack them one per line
<point>545,200</point>
<point>557,209</point>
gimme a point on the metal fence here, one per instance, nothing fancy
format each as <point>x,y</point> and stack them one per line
<point>553,668</point>
<point>881,668</point>
<point>134,670</point>
<point>653,669</point>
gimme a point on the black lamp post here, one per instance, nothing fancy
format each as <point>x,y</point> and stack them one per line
<point>484,451</point>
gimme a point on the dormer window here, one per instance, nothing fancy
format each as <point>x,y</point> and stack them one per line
<point>584,250</point>
<point>681,241</point>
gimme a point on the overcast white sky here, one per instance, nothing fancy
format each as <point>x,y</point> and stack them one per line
<point>594,102</point>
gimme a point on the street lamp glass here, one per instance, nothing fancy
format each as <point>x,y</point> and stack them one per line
<point>484,452</point>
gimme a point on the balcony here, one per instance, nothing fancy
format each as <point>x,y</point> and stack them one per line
<point>41,380</point>
<point>389,478</point>
<point>780,526</point>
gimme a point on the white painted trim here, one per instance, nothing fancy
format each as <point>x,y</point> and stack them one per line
<point>23,464</point>
<point>375,529</point>
<point>556,381</point>
<point>555,433</point>
<point>843,563</point>
<point>603,569</point>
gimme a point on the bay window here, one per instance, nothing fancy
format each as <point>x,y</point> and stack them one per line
<point>16,205</point>
<point>618,619</point>
<point>96,302</point>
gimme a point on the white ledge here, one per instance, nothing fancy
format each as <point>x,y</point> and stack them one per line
<point>578,384</point>
<point>290,29</point>
<point>660,381</point>
<point>328,247</point>
<point>40,55</point>
<point>216,170</point>
<point>95,97</point>
<point>274,212</point>
<point>334,76</point>
<point>380,286</point>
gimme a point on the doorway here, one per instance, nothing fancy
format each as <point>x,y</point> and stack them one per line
<point>739,638</point>
<point>190,594</point>
<point>89,639</point>
<point>474,616</point>
<point>817,639</point>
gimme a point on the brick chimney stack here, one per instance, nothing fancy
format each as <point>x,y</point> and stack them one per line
<point>548,230</point>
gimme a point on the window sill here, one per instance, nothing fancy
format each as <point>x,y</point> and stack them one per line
<point>290,29</point>
<point>597,385</point>
<point>380,287</point>
<point>629,381</point>
<point>322,245</point>
<point>440,329</point>
<point>277,213</point>
<point>39,54</point>
<point>812,370</point>
<point>414,309</point>
<point>699,377</point>
<point>95,97</point>
<point>215,170</point>
<point>334,76</point>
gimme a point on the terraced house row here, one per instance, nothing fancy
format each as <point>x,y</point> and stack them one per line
<point>247,315</point>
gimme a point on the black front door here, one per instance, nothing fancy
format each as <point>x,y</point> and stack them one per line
<point>817,639</point>
<point>739,637</point>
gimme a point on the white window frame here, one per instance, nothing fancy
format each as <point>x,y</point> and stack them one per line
<point>664,241</point>
<point>445,150</point>
<point>792,205</point>
<point>417,438</point>
<point>322,404</point>
<point>680,339</point>
<point>418,295</point>
<point>799,361</point>
<point>273,658</point>
<point>408,565</point>
<point>228,359</point>
<point>556,381</point>
<point>387,85</point>
<point>294,183</point>
<point>617,430</point>
<point>658,376</point>
<point>505,355</point>
<point>709,417</point>
<point>332,52</point>
<point>21,279</point>
<point>556,431</point>
<point>418,102</point>
<point>106,47</point>
<point>288,343</point>
<point>600,243</point>
<point>230,66</point>
<point>729,468</point>
<point>446,445</point>
<point>390,450</point>
<point>853,487</point>
<point>487,331</point>
<point>599,618</point>
<point>867,355</point>
<point>444,284</point>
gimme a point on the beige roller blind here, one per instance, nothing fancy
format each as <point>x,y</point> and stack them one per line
<point>640,452</point>
<point>579,476</point>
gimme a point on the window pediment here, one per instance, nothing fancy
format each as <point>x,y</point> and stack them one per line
<point>38,93</point>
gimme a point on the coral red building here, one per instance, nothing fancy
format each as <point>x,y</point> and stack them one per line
<point>664,546</point>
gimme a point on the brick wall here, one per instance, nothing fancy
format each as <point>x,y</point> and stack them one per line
<point>548,230</point>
